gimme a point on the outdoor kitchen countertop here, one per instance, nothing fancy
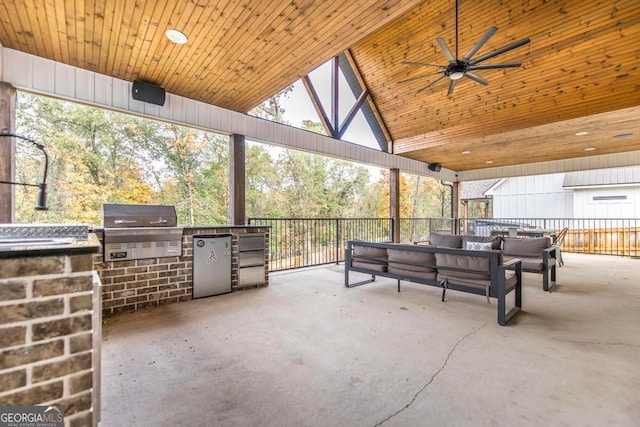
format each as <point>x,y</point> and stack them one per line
<point>33,247</point>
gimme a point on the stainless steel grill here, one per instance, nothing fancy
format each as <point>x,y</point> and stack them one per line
<point>140,231</point>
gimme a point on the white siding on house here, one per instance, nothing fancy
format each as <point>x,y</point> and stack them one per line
<point>532,197</point>
<point>612,206</point>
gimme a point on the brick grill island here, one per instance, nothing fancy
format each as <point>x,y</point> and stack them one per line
<point>135,284</point>
<point>50,329</point>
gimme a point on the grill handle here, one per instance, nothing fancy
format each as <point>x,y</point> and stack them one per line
<point>161,221</point>
<point>124,221</point>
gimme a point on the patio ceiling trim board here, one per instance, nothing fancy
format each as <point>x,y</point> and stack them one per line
<point>604,161</point>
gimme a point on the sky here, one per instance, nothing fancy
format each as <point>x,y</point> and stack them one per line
<point>298,106</point>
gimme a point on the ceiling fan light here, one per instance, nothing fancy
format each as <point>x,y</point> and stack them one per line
<point>456,75</point>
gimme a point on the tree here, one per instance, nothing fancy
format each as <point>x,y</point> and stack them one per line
<point>420,197</point>
<point>98,156</point>
<point>272,109</point>
<point>313,126</point>
<point>286,182</point>
<point>92,157</point>
<point>264,195</point>
<point>189,168</point>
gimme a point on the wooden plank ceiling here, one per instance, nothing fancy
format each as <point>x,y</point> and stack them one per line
<point>581,70</point>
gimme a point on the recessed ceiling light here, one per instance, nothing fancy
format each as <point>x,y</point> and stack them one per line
<point>623,135</point>
<point>582,133</point>
<point>466,152</point>
<point>589,148</point>
<point>176,36</point>
<point>489,161</point>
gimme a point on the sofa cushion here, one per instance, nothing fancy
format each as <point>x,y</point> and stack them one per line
<point>531,264</point>
<point>411,260</point>
<point>445,240</point>
<point>474,267</point>
<point>496,241</point>
<point>526,248</point>
<point>368,265</point>
<point>466,281</point>
<point>428,275</point>
<point>370,255</point>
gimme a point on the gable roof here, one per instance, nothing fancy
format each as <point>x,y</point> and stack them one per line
<point>476,190</point>
<point>612,177</point>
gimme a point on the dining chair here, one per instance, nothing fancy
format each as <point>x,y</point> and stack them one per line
<point>559,239</point>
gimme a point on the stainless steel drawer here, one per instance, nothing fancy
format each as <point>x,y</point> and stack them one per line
<point>250,242</point>
<point>251,258</point>
<point>251,276</point>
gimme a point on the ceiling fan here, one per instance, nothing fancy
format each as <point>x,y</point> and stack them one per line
<point>464,67</point>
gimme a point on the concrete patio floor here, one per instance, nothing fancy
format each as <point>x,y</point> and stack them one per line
<point>306,351</point>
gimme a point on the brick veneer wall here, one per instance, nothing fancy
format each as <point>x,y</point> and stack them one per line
<point>132,285</point>
<point>46,334</point>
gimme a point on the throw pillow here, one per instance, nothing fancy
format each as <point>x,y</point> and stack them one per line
<point>478,246</point>
<point>496,241</point>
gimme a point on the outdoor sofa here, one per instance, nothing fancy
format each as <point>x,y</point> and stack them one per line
<point>483,272</point>
<point>538,255</point>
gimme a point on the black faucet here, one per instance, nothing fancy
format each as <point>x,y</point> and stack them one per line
<point>41,204</point>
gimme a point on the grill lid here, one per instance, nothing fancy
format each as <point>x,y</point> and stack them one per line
<point>124,215</point>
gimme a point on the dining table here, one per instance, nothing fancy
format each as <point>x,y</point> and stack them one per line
<point>525,232</point>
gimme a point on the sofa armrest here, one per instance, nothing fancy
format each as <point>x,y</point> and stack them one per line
<point>512,263</point>
<point>550,252</point>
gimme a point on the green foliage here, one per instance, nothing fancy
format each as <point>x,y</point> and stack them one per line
<point>312,126</point>
<point>98,156</point>
<point>272,109</point>
<point>420,197</point>
<point>290,183</point>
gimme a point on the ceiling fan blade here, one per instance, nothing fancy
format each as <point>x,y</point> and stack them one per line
<point>431,84</point>
<point>452,85</point>
<point>422,64</point>
<point>491,31</point>
<point>420,77</point>
<point>500,51</point>
<point>493,66</point>
<point>476,78</point>
<point>446,51</point>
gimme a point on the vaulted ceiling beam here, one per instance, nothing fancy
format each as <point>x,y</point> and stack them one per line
<point>317,104</point>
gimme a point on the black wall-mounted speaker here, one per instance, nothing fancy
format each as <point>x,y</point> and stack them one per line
<point>147,92</point>
<point>434,167</point>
